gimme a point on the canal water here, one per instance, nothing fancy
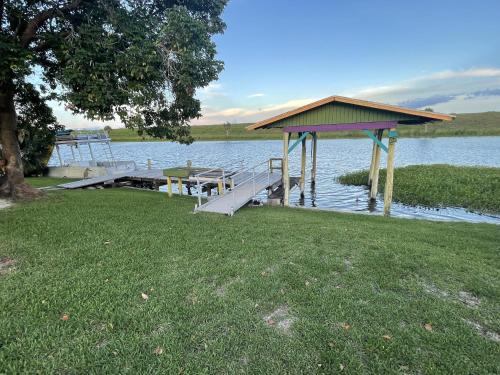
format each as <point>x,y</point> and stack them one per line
<point>335,157</point>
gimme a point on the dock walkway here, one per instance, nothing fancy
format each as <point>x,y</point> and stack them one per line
<point>236,198</point>
<point>235,188</point>
<point>93,181</point>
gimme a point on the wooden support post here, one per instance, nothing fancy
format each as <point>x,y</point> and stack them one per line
<point>390,173</point>
<point>169,186</point>
<point>220,188</point>
<point>285,177</point>
<point>149,164</point>
<point>303,168</point>
<point>179,185</point>
<point>376,167</point>
<point>314,153</point>
<point>372,163</point>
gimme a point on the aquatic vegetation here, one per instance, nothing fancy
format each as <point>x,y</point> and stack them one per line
<point>440,185</point>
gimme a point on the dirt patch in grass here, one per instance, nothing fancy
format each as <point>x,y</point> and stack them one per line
<point>268,271</point>
<point>160,329</point>
<point>281,320</point>
<point>482,331</point>
<point>435,291</point>
<point>222,290</point>
<point>466,298</point>
<point>7,265</point>
<point>348,264</point>
<point>4,203</point>
<point>469,299</point>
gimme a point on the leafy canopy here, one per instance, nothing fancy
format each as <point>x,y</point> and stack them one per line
<point>140,60</point>
<point>37,127</point>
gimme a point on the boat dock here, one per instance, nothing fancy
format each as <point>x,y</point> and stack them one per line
<point>234,188</point>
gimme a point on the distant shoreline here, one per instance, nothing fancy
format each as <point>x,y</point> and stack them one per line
<point>465,125</point>
<point>324,137</point>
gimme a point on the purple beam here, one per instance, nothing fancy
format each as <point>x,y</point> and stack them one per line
<point>340,127</point>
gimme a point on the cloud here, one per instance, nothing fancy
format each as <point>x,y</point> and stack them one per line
<point>426,102</point>
<point>257,95</point>
<point>211,87</point>
<point>439,88</point>
<point>472,90</point>
<point>461,91</point>
<point>239,114</point>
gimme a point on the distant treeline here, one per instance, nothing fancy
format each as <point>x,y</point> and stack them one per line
<point>465,124</point>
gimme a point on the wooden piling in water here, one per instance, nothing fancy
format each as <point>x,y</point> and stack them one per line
<point>390,172</point>
<point>286,179</point>
<point>372,163</point>
<point>303,168</point>
<point>376,167</point>
<point>179,184</point>
<point>169,186</point>
<point>314,154</point>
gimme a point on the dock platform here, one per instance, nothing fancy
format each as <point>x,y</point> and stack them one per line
<point>234,188</point>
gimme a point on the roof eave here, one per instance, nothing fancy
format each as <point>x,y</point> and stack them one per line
<point>432,116</point>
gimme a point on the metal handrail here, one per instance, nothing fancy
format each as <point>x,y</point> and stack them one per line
<point>210,170</point>
<point>255,174</point>
<point>251,167</point>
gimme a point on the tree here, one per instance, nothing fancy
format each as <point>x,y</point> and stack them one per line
<point>36,129</point>
<point>107,128</point>
<point>138,60</point>
<point>227,128</point>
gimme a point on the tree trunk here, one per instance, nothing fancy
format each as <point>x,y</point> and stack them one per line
<point>12,184</point>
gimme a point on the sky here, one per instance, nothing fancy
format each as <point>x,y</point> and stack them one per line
<point>281,54</point>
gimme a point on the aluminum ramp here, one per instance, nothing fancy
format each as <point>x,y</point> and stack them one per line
<point>234,199</point>
<point>92,181</point>
<point>151,174</point>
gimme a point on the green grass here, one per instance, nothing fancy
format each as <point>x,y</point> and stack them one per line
<point>473,188</point>
<point>39,182</point>
<point>344,280</point>
<point>467,124</point>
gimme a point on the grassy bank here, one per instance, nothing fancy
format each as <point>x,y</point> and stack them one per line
<point>473,188</point>
<point>119,280</point>
<point>469,124</point>
<point>40,182</point>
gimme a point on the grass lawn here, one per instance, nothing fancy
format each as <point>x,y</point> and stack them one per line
<point>466,124</point>
<point>440,185</point>
<point>120,280</point>
<point>40,182</point>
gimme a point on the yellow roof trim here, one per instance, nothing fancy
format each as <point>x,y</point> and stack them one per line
<point>359,102</point>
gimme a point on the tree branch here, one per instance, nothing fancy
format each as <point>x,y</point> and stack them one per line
<point>37,21</point>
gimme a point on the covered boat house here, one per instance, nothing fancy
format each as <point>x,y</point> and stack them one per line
<point>338,113</point>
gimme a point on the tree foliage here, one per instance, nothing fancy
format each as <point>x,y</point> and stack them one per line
<point>37,127</point>
<point>137,60</point>
<point>140,60</point>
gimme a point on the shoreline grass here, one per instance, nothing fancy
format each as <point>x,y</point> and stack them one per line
<point>41,182</point>
<point>119,280</point>
<point>473,124</point>
<point>440,185</point>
